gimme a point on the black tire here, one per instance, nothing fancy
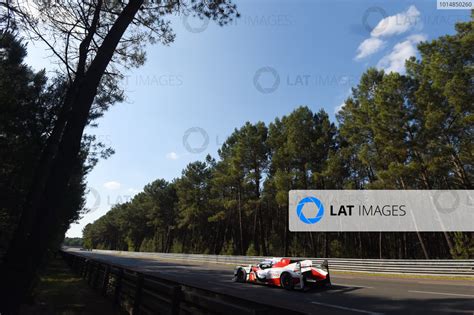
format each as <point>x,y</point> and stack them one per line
<point>241,275</point>
<point>286,281</point>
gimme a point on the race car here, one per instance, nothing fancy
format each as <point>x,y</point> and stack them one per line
<point>284,272</point>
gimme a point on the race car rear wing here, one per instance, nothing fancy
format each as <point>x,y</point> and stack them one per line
<point>305,263</point>
<point>325,265</point>
<point>308,263</point>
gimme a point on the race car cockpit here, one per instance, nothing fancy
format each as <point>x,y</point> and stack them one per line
<point>265,264</point>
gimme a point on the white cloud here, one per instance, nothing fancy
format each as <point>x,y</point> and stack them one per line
<point>112,185</point>
<point>398,23</point>
<point>391,25</point>
<point>172,156</point>
<point>395,60</point>
<point>368,47</point>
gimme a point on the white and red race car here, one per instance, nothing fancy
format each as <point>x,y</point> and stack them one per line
<point>284,272</point>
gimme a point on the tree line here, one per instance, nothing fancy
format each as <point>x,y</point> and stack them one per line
<point>72,241</point>
<point>395,131</point>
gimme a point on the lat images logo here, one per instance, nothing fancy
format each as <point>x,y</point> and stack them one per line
<point>319,205</point>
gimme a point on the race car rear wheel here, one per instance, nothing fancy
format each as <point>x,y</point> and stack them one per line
<point>286,281</point>
<point>241,275</point>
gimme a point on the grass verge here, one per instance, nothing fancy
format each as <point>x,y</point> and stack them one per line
<point>60,291</point>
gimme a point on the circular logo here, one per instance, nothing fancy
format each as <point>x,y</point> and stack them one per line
<point>96,203</point>
<point>205,138</point>
<point>319,205</point>
<point>378,11</point>
<point>446,204</point>
<point>258,84</point>
<point>195,29</point>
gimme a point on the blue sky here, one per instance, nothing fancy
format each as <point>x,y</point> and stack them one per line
<point>188,97</point>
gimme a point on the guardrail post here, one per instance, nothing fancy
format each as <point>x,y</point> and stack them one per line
<point>138,295</point>
<point>72,262</point>
<point>96,276</point>
<point>105,284</point>
<point>85,267</point>
<point>89,270</point>
<point>118,286</point>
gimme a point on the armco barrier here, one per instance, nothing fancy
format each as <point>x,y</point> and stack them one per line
<point>439,267</point>
<point>140,293</point>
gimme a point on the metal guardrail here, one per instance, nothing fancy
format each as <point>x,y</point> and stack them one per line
<point>439,267</point>
<point>140,293</point>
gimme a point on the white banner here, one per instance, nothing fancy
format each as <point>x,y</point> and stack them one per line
<point>381,210</point>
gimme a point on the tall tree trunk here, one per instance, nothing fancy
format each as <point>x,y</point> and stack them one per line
<point>183,245</point>
<point>30,245</point>
<point>48,155</point>
<point>241,234</point>
<point>262,233</point>
<point>313,246</point>
<point>256,240</point>
<point>326,245</point>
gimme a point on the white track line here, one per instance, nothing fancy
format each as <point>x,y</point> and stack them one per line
<point>442,293</point>
<point>346,308</point>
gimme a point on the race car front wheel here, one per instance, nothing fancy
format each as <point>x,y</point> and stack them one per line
<point>241,275</point>
<point>286,281</point>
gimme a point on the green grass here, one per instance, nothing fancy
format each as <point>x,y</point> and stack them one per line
<point>62,292</point>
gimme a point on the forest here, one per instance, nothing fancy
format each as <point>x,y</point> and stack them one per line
<point>72,241</point>
<point>395,131</point>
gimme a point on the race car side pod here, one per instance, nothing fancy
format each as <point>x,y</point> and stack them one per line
<point>325,265</point>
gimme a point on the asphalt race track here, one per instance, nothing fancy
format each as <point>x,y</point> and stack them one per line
<point>349,294</point>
